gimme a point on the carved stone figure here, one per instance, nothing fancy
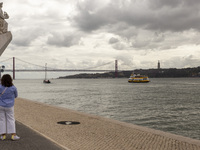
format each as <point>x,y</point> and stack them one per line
<point>5,35</point>
<point>3,23</point>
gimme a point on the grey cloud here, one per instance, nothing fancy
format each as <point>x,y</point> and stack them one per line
<point>69,64</point>
<point>126,61</point>
<point>89,22</point>
<point>125,31</point>
<point>174,15</point>
<point>113,40</point>
<point>181,62</point>
<point>21,41</point>
<point>119,46</point>
<point>62,40</point>
<point>127,18</point>
<point>153,40</point>
<point>158,4</point>
<point>158,37</point>
<point>24,37</point>
<point>89,19</point>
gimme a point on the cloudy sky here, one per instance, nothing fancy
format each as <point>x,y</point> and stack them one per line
<point>86,33</point>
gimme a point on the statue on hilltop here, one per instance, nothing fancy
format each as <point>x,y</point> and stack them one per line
<point>3,23</point>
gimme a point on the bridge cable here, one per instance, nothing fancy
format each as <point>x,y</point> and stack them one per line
<point>98,66</point>
<point>89,68</point>
<point>5,60</point>
<point>37,65</point>
<point>30,63</point>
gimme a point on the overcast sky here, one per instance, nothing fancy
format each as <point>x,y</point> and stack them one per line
<point>85,33</point>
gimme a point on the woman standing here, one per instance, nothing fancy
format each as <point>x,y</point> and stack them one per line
<point>8,93</point>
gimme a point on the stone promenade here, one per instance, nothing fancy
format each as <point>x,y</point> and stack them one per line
<point>94,132</point>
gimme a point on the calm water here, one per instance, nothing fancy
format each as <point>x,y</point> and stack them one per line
<point>170,105</point>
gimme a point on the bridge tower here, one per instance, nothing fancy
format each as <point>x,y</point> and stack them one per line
<point>13,68</point>
<point>116,69</point>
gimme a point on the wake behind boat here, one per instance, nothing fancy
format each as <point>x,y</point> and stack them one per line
<point>138,78</point>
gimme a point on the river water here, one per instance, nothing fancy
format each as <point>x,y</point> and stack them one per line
<point>167,104</point>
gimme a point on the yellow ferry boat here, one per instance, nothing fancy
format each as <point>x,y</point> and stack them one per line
<point>138,78</point>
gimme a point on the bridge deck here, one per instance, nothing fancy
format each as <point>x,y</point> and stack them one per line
<point>56,70</point>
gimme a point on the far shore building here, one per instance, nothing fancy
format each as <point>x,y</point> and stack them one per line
<point>158,64</point>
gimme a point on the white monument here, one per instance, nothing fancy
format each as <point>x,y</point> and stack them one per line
<point>5,35</point>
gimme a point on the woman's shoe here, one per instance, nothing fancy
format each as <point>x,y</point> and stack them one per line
<point>3,137</point>
<point>15,137</point>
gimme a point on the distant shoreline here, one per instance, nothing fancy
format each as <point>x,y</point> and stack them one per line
<point>152,73</point>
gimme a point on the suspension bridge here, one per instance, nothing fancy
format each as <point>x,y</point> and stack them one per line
<point>39,68</point>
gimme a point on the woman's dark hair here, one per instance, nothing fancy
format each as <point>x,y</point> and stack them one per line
<point>6,80</point>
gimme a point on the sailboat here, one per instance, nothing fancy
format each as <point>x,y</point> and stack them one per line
<point>45,80</point>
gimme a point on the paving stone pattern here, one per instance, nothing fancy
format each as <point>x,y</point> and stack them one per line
<point>95,132</point>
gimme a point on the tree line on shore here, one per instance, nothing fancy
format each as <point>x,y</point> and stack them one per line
<point>152,73</point>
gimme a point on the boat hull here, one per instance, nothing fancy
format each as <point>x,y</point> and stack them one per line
<point>138,78</point>
<point>46,81</point>
<point>138,81</point>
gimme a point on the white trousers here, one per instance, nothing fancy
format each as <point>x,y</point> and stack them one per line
<point>7,120</point>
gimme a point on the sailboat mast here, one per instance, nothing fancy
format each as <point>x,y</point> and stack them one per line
<point>45,71</point>
<point>45,80</point>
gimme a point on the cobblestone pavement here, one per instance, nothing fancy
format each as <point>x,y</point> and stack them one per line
<point>94,132</point>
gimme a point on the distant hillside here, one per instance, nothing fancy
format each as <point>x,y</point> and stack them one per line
<point>152,73</point>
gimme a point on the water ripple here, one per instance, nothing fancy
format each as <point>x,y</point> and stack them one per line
<point>170,104</point>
